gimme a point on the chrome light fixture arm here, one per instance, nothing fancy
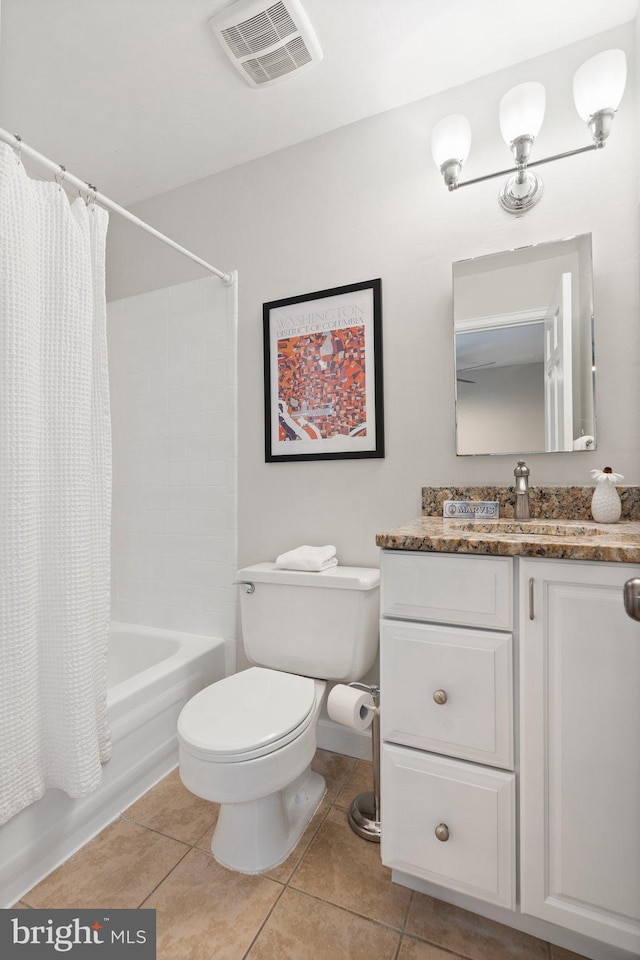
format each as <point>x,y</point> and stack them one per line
<point>534,163</point>
<point>600,80</point>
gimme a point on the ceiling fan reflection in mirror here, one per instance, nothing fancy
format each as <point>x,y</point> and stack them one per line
<point>478,366</point>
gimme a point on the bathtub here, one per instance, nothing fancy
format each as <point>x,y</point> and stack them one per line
<point>151,674</point>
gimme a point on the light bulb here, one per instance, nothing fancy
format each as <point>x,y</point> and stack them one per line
<point>522,111</point>
<point>599,83</point>
<point>451,140</point>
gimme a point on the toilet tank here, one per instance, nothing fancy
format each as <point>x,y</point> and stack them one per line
<point>322,625</point>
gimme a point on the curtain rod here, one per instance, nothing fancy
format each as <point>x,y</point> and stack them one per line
<point>94,195</point>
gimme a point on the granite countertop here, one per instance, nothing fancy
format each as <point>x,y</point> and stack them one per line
<point>619,542</point>
<point>588,540</point>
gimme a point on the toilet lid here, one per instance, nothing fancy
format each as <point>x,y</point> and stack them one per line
<point>246,712</point>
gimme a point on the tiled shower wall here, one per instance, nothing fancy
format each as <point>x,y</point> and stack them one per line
<point>172,364</point>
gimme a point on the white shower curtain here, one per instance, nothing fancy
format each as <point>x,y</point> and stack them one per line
<point>55,491</point>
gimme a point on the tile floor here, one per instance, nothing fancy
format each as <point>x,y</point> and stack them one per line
<point>331,900</point>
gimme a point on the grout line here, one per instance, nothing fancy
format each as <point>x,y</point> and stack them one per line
<point>195,846</point>
<point>462,956</point>
<point>160,833</point>
<point>409,905</point>
<point>192,845</point>
<point>439,946</point>
<point>189,846</point>
<point>308,846</point>
<point>445,950</point>
<point>339,906</point>
<point>265,921</point>
<point>151,892</point>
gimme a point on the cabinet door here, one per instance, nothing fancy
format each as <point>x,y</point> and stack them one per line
<point>448,690</point>
<point>580,750</point>
<point>449,822</point>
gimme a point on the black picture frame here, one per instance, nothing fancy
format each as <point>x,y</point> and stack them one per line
<point>323,375</point>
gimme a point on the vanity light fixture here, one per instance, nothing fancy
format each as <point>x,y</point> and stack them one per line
<point>598,86</point>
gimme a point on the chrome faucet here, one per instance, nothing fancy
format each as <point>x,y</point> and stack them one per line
<point>523,509</point>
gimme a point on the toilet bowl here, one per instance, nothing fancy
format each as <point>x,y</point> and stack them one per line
<point>247,742</point>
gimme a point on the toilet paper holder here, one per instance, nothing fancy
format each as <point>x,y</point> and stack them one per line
<point>364,812</point>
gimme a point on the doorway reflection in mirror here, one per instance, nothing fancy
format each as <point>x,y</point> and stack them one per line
<point>523,333</point>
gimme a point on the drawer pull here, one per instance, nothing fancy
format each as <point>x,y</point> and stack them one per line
<point>442,832</point>
<point>440,696</point>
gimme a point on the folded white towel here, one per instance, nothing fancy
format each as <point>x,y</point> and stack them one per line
<point>314,559</point>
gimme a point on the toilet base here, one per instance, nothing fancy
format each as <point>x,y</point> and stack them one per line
<point>256,836</point>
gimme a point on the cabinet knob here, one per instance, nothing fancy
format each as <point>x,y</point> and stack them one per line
<point>440,696</point>
<point>442,832</point>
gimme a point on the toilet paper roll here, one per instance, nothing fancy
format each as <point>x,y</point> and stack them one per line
<point>350,706</point>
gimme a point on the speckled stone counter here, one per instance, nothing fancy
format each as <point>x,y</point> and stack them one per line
<point>618,542</point>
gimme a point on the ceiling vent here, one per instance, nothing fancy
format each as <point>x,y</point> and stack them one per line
<point>267,43</point>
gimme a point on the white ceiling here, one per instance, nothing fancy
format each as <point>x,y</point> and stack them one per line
<point>137,97</point>
<point>500,347</point>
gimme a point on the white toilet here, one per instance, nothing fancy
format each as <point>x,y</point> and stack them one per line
<point>247,742</point>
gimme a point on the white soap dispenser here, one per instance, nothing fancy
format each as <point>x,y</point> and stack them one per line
<point>606,506</point>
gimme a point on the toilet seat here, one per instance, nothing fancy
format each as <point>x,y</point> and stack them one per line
<point>247,715</point>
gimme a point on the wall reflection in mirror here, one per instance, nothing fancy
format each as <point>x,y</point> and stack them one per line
<point>524,359</point>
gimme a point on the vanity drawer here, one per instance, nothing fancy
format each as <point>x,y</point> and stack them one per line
<point>474,809</point>
<point>448,690</point>
<point>448,588</point>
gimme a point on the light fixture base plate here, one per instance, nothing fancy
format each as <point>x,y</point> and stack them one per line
<point>516,197</point>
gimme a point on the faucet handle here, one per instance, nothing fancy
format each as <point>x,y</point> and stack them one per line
<point>521,470</point>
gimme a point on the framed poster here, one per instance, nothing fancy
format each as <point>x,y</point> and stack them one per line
<point>323,375</point>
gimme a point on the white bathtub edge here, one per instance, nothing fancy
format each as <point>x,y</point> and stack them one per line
<point>143,719</point>
<point>87,829</point>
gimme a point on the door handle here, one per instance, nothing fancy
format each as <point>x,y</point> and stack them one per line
<point>632,598</point>
<point>531,595</point>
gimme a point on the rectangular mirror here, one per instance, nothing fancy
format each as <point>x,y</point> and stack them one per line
<point>524,358</point>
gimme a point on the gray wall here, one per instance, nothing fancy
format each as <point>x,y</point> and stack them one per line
<point>502,410</point>
<point>366,201</point>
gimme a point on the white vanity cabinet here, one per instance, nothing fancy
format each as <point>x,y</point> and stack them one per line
<point>497,668</point>
<point>580,750</point>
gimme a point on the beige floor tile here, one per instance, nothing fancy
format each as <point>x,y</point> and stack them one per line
<point>118,868</point>
<point>417,950</point>
<point>20,906</point>
<point>283,872</point>
<point>466,933</point>
<point>205,912</point>
<point>345,870</point>
<point>335,768</point>
<point>170,808</point>
<point>359,781</point>
<point>559,953</point>
<point>204,843</point>
<point>302,927</point>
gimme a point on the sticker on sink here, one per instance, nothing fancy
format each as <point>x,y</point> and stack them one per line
<point>471,508</point>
